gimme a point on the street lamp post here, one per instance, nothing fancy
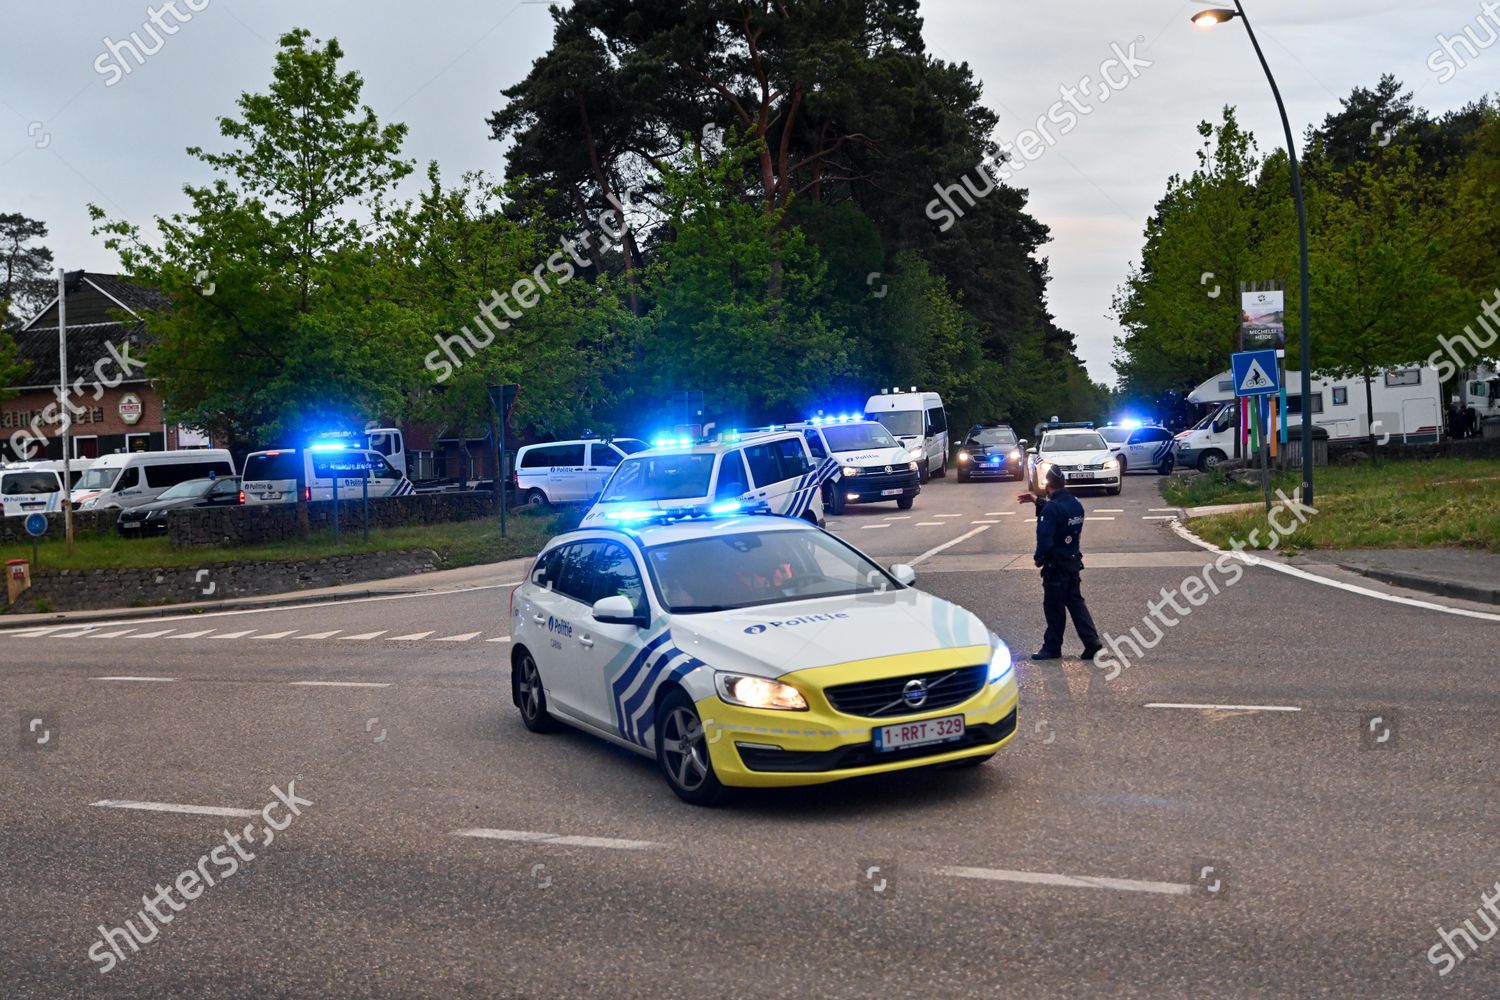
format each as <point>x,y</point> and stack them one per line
<point>1207,19</point>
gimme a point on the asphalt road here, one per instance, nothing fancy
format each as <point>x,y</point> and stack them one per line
<point>1276,847</point>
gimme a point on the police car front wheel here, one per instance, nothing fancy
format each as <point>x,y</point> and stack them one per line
<point>529,695</point>
<point>682,752</point>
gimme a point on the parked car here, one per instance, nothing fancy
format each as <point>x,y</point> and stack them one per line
<point>151,518</point>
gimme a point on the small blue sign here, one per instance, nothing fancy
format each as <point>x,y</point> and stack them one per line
<point>36,525</point>
<point>1255,373</point>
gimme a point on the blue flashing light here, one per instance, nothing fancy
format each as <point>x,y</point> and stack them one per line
<point>329,446</point>
<point>661,443</point>
<point>632,515</point>
<point>1130,423</point>
<point>727,507</point>
<point>1002,664</point>
<point>684,442</point>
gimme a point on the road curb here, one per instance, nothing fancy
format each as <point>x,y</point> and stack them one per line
<point>9,623</point>
<point>1428,584</point>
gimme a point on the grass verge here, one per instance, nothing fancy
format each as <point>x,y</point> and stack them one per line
<point>460,543</point>
<point>1443,503</point>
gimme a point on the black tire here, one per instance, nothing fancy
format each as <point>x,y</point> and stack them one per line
<point>682,752</point>
<point>528,693</point>
<point>923,472</point>
<point>1210,460</point>
<point>963,476</point>
<point>1167,465</point>
<point>836,503</point>
<point>1124,465</point>
<point>1114,491</point>
<point>905,503</point>
<point>536,499</point>
<point>942,472</point>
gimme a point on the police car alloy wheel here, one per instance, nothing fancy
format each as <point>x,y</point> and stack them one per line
<point>682,752</point>
<point>530,698</point>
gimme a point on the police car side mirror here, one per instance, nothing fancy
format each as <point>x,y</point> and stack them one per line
<point>1031,451</point>
<point>1023,444</point>
<point>617,610</point>
<point>904,574</point>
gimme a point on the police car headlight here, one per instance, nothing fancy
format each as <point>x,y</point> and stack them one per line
<point>1002,665</point>
<point>963,456</point>
<point>1042,468</point>
<point>851,470</point>
<point>759,692</point>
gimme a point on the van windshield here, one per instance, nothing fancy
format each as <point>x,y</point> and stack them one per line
<point>859,437</point>
<point>902,423</point>
<point>660,477</point>
<point>98,479</point>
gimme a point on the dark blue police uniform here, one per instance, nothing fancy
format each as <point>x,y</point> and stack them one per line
<point>1059,530</point>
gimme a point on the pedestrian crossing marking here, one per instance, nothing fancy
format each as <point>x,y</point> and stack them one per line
<point>234,635</point>
<point>110,635</point>
<point>278,635</point>
<point>465,637</point>
<point>192,635</point>
<point>322,635</point>
<point>152,635</point>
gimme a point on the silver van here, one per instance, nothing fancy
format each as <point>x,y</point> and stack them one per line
<point>569,471</point>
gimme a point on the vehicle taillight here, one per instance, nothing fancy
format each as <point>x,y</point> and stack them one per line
<point>242,498</point>
<point>307,493</point>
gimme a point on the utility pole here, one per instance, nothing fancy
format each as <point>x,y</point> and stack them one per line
<point>62,401</point>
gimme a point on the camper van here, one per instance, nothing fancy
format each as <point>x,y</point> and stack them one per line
<point>1407,406</point>
<point>918,421</point>
<point>129,479</point>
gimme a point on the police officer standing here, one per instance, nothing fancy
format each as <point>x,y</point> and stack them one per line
<point>1059,529</point>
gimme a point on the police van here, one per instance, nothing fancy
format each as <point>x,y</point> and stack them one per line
<point>919,422</point>
<point>873,466</point>
<point>285,475</point>
<point>568,471</point>
<point>36,487</point>
<point>771,469</point>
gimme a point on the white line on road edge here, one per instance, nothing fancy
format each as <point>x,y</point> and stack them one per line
<point>1158,517</point>
<point>1226,708</point>
<point>946,545</point>
<point>413,637</point>
<point>172,807</point>
<point>999,513</point>
<point>872,527</point>
<point>1076,881</point>
<point>556,839</point>
<point>155,680</point>
<point>338,684</point>
<point>1303,574</point>
<point>192,635</point>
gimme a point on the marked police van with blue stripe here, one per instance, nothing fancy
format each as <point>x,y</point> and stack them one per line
<point>36,487</point>
<point>771,469</point>
<point>285,475</point>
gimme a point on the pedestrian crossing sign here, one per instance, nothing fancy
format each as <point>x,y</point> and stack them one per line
<point>1256,373</point>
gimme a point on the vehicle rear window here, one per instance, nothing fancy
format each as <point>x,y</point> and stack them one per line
<point>661,477</point>
<point>30,482</point>
<point>274,465</point>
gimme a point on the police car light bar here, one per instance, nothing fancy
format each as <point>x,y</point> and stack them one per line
<point>725,508</point>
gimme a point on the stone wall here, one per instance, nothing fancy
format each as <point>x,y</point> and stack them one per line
<point>82,590</point>
<point>13,529</point>
<point>260,524</point>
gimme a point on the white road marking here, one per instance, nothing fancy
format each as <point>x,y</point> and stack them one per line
<point>1109,510</point>
<point>1000,513</point>
<point>463,637</point>
<point>413,636</point>
<point>321,635</point>
<point>872,527</point>
<point>278,635</point>
<point>234,635</point>
<point>947,515</point>
<point>172,807</point>
<point>1226,708</point>
<point>1075,881</point>
<point>1163,510</point>
<point>192,635</point>
<point>34,633</point>
<point>503,638</point>
<point>156,680</point>
<point>1158,517</point>
<point>338,684</point>
<point>929,524</point>
<point>153,635</point>
<point>110,635</point>
<point>946,545</point>
<point>73,634</point>
<point>984,522</point>
<point>1098,519</point>
<point>556,839</point>
<point>364,637</point>
<point>1303,574</point>
<point>899,517</point>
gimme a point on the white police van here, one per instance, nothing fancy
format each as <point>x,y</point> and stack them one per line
<point>285,475</point>
<point>36,487</point>
<point>873,466</point>
<point>919,422</point>
<point>774,469</point>
<point>568,471</point>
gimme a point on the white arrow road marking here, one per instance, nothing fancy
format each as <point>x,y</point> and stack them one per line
<point>338,684</point>
<point>556,839</point>
<point>1226,708</point>
<point>413,636</point>
<point>173,807</point>
<point>946,545</point>
<point>278,635</point>
<point>464,637</point>
<point>156,680</point>
<point>1076,881</point>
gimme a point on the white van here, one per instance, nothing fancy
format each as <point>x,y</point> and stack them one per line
<point>568,471</point>
<point>919,422</point>
<point>32,487</point>
<point>774,468</point>
<point>1407,404</point>
<point>873,466</point>
<point>282,475</point>
<point>129,479</point>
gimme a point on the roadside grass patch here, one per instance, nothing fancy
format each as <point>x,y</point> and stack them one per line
<point>1208,491</point>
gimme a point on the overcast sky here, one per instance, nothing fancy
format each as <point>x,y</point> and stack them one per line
<point>68,138</point>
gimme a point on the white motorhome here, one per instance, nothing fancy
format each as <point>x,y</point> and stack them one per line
<point>129,479</point>
<point>1407,408</point>
<point>919,422</point>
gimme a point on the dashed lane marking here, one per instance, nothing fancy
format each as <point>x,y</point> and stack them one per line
<point>339,684</point>
<point>412,637</point>
<point>1158,517</point>
<point>234,635</point>
<point>872,527</point>
<point>1163,510</point>
<point>1225,708</point>
<point>192,635</point>
<point>464,637</point>
<point>278,635</point>
<point>929,524</point>
<point>148,680</point>
<point>984,522</point>
<point>152,635</point>
<point>364,637</point>
<point>110,635</point>
<point>1076,881</point>
<point>947,515</point>
<point>556,839</point>
<point>321,635</point>
<point>1098,519</point>
<point>1000,513</point>
<point>173,807</point>
<point>899,517</point>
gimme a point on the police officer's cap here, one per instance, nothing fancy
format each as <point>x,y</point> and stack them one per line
<point>1055,479</point>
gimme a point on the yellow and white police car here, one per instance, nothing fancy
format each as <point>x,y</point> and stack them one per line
<point>749,650</point>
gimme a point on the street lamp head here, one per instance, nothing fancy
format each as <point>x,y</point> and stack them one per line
<point>1214,15</point>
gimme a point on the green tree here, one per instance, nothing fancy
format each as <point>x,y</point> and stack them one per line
<point>28,280</point>
<point>280,320</point>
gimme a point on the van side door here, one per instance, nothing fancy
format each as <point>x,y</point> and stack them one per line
<point>567,477</point>
<point>602,460</point>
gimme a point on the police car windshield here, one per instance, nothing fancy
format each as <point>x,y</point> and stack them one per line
<point>98,479</point>
<point>1073,441</point>
<point>661,477</point>
<point>993,437</point>
<point>902,423</point>
<point>749,568</point>
<point>858,437</point>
